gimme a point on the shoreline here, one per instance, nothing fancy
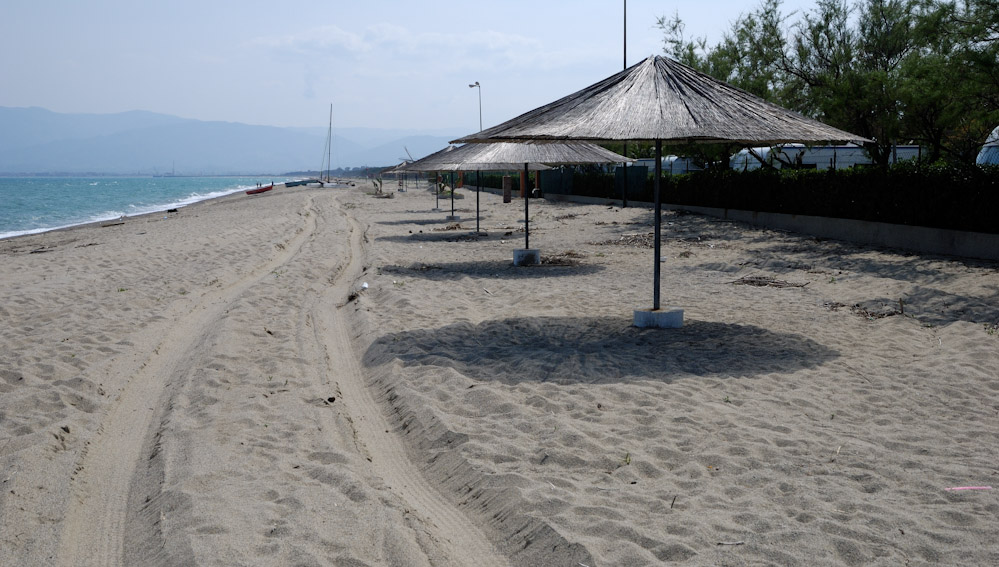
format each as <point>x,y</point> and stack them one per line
<point>177,204</point>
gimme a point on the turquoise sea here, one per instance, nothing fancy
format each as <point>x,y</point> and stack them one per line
<point>38,204</point>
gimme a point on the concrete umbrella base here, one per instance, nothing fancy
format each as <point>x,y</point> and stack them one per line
<point>667,318</point>
<point>526,257</point>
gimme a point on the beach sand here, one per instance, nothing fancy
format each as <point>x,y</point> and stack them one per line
<point>217,386</point>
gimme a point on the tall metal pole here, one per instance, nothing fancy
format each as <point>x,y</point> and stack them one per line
<point>658,223</point>
<point>452,192</point>
<point>624,190</point>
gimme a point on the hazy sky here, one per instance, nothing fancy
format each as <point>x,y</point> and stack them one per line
<point>381,63</point>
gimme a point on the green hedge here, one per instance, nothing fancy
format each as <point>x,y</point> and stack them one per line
<point>939,196</point>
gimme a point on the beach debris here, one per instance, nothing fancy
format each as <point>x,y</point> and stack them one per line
<point>731,543</point>
<point>452,226</point>
<point>474,237</point>
<point>876,309</point>
<point>969,488</point>
<point>643,240</point>
<point>567,258</point>
<point>833,305</point>
<point>766,281</point>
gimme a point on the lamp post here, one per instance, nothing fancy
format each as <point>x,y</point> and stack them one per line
<point>476,85</point>
<point>478,174</point>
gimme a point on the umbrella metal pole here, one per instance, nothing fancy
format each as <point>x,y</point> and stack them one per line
<point>437,193</point>
<point>452,192</point>
<point>624,191</point>
<point>527,218</point>
<point>658,223</point>
<point>478,185</point>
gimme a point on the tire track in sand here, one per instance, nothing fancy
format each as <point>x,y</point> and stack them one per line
<point>93,532</point>
<point>459,540</point>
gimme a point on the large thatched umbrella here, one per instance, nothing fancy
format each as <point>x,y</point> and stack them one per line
<point>533,155</point>
<point>661,100</point>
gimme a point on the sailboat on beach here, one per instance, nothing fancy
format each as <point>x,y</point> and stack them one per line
<point>327,152</point>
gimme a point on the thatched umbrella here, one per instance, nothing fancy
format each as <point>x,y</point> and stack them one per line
<point>399,170</point>
<point>449,161</point>
<point>661,100</point>
<point>427,164</point>
<point>533,155</point>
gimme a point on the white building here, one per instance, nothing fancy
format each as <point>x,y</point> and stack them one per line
<point>990,151</point>
<point>672,165</point>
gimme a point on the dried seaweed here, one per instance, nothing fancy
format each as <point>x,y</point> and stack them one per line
<point>767,281</point>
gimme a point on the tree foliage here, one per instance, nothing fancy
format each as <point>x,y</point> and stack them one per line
<point>895,71</point>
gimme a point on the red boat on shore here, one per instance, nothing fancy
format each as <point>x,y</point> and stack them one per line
<point>260,190</point>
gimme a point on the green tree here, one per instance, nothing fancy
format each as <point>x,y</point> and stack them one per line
<point>895,71</point>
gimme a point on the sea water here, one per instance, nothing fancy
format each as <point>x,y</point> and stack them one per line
<point>37,204</point>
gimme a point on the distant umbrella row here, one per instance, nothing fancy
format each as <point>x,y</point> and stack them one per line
<point>657,100</point>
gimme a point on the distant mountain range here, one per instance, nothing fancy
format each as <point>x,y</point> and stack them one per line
<point>38,141</point>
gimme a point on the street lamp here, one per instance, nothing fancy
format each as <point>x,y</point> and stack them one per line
<point>476,85</point>
<point>478,174</point>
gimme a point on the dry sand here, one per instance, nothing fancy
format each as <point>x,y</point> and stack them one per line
<point>215,387</point>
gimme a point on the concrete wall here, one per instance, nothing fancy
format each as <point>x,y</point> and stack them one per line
<point>914,238</point>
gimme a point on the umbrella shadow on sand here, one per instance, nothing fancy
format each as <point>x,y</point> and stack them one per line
<point>603,350</point>
<point>434,221</point>
<point>461,234</point>
<point>490,269</point>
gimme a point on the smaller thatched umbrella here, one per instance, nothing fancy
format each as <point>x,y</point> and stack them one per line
<point>533,155</point>
<point>449,161</point>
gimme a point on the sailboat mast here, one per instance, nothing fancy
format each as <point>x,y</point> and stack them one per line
<point>329,155</point>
